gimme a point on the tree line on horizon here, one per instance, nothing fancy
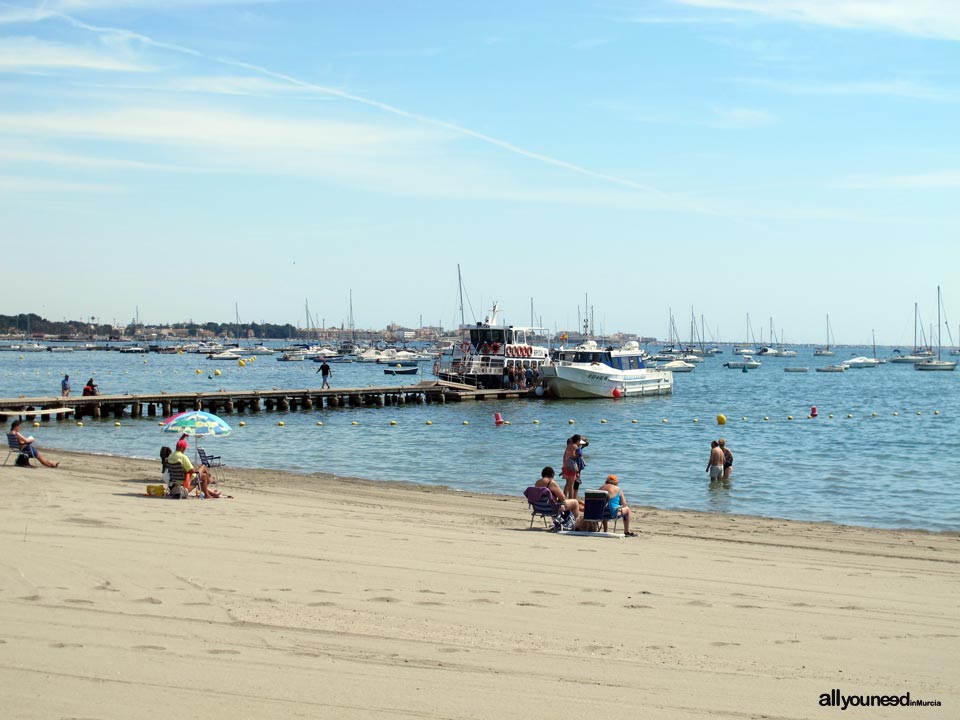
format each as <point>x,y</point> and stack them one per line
<point>24,322</point>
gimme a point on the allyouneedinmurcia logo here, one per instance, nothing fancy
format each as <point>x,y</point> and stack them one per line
<point>838,700</point>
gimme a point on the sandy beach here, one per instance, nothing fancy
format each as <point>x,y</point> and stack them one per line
<point>314,596</point>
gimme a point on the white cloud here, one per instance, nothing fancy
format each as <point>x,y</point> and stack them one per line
<point>735,118</point>
<point>925,18</point>
<point>33,54</point>
<point>945,179</point>
<point>892,88</point>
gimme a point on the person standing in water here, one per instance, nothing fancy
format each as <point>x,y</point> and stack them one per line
<point>715,463</point>
<point>727,459</point>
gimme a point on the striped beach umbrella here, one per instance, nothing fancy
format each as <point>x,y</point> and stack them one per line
<point>196,422</point>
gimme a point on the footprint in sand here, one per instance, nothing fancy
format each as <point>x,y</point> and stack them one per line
<point>433,603</point>
<point>541,592</point>
<point>31,598</point>
<point>384,599</point>
<point>453,650</point>
<point>638,607</point>
<point>150,600</point>
<point>749,607</point>
<point>799,604</point>
<point>720,643</point>
<point>699,603</point>
<point>485,601</point>
<point>79,602</point>
<point>591,603</point>
<point>530,604</point>
<point>223,652</point>
<point>148,647</point>
<point>325,603</point>
<point>66,645</point>
<point>432,592</point>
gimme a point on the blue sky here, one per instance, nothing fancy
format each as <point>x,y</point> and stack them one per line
<point>788,159</point>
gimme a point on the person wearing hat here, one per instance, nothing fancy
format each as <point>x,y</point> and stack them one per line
<point>203,475</point>
<point>617,504</point>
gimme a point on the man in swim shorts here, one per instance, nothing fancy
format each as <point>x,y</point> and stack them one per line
<point>715,463</point>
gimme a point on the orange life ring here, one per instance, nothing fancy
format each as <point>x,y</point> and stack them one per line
<point>527,351</point>
<point>465,346</point>
<point>509,351</point>
<point>495,348</point>
<point>436,368</point>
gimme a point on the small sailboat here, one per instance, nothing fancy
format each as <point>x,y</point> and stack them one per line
<point>939,363</point>
<point>825,351</point>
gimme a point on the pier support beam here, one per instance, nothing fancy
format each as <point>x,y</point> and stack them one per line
<point>229,407</point>
<point>151,409</point>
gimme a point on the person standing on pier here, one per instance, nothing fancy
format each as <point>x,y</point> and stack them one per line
<point>65,386</point>
<point>325,373</point>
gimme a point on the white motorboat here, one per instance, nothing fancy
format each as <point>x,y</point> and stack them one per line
<point>746,362</point>
<point>744,351</point>
<point>919,354</point>
<point>589,371</point>
<point>681,366</point>
<point>61,348</point>
<point>228,354</point>
<point>262,350</point>
<point>133,349</point>
<point>768,351</point>
<point>861,362</point>
<point>692,358</point>
<point>30,347</point>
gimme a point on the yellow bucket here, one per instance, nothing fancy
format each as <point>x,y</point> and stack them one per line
<point>155,490</point>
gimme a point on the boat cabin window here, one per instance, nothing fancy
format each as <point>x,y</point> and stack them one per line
<point>488,336</point>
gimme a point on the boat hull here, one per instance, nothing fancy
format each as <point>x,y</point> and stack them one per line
<point>576,381</point>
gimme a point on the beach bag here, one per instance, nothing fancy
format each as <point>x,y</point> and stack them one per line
<point>178,492</point>
<point>23,461</point>
<point>563,521</point>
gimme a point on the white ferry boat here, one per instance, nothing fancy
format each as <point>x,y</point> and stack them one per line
<point>588,371</point>
<point>487,353</point>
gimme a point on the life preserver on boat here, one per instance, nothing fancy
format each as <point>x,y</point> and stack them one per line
<point>484,349</point>
<point>508,351</point>
<point>465,346</point>
<point>527,350</point>
<point>495,348</point>
<point>436,368</point>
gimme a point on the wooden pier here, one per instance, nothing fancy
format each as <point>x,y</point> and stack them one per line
<point>227,402</point>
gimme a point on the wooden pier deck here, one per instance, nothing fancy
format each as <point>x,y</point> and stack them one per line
<point>227,402</point>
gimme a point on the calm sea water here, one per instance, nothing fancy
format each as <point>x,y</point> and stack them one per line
<point>887,457</point>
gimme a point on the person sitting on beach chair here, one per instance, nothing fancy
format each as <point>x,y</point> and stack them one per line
<point>617,505</point>
<point>547,481</point>
<point>189,473</point>
<point>27,448</point>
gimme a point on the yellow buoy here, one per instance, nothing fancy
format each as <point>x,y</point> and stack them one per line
<point>117,424</point>
<point>80,423</point>
<point>241,363</point>
<point>536,422</point>
<point>696,420</point>
<point>506,422</point>
<point>393,422</point>
<point>766,418</point>
<point>36,424</point>
<point>429,422</point>
<point>465,422</point>
<point>919,412</point>
<point>280,424</point>
<point>216,372</point>
<point>849,416</point>
<point>664,420</point>
<point>603,422</point>
<point>570,421</point>
<point>634,421</point>
<point>873,414</point>
<point>721,419</point>
<point>320,423</point>
<point>354,423</point>
<point>744,418</point>
<point>242,424</point>
<point>198,371</point>
<point>789,417</point>
<point>830,416</point>
<point>896,414</point>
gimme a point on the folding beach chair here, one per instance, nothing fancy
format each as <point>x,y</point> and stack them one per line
<point>213,462</point>
<point>14,445</point>
<point>541,503</point>
<point>596,508</point>
<point>177,485</point>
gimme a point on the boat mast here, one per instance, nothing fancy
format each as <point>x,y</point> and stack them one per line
<point>460,285</point>
<point>938,323</point>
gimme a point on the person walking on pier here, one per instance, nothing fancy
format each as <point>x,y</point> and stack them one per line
<point>65,386</point>
<point>325,373</point>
